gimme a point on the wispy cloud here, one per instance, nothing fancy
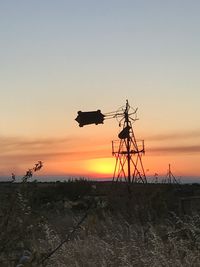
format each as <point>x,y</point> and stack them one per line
<point>189,149</point>
<point>13,144</point>
<point>19,144</point>
<point>17,152</point>
<point>76,155</point>
<point>174,135</point>
<point>181,146</point>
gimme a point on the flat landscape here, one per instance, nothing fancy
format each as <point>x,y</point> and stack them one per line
<point>84,223</point>
<point>100,133</point>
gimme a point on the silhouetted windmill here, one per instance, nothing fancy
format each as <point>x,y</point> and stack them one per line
<point>127,150</point>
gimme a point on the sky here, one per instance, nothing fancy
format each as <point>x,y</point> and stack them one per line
<point>59,57</point>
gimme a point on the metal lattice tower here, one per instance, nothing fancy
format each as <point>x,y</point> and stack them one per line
<point>128,151</point>
<point>170,178</point>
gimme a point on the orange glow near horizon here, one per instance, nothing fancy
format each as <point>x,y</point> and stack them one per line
<point>89,168</point>
<point>104,167</point>
<point>101,167</point>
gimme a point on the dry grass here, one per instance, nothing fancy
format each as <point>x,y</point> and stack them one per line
<point>104,238</point>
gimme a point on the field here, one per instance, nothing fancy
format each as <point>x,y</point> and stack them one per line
<point>83,223</point>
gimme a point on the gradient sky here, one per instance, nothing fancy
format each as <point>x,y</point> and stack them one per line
<point>58,57</point>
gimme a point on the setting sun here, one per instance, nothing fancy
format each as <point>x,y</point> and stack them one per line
<point>101,167</point>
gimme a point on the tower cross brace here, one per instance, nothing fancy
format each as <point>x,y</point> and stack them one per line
<point>128,152</point>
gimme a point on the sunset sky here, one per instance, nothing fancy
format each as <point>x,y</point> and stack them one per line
<point>59,57</point>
